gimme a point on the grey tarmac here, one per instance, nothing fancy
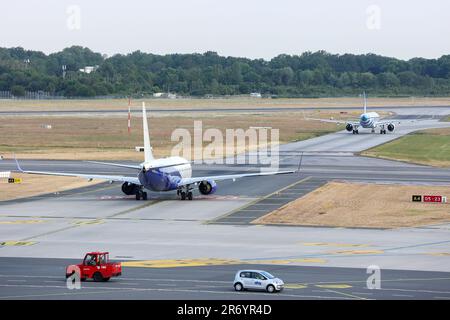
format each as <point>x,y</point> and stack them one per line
<point>163,228</point>
<point>215,282</point>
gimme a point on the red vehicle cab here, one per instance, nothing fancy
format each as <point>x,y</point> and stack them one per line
<point>96,266</point>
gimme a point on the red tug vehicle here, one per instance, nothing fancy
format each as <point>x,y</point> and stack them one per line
<point>96,266</point>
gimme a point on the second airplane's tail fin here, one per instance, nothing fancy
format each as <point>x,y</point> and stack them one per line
<point>148,154</point>
<point>365,102</point>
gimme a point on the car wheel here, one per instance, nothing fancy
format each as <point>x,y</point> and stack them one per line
<point>270,288</point>
<point>98,277</point>
<point>238,287</point>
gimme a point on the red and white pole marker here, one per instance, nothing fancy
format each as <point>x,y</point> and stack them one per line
<point>129,115</point>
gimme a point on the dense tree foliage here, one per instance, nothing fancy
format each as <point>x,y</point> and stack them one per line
<point>309,74</point>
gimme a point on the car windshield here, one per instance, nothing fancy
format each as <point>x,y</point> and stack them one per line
<point>267,275</point>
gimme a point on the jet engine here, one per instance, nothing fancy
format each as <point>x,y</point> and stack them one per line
<point>349,127</point>
<point>207,187</point>
<point>390,127</point>
<point>129,188</point>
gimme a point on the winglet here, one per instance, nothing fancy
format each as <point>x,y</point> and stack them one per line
<point>17,164</point>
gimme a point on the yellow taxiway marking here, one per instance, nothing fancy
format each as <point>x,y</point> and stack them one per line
<point>88,222</point>
<point>330,244</point>
<point>334,286</point>
<point>347,294</point>
<point>358,252</point>
<point>17,243</point>
<point>440,254</point>
<point>179,263</point>
<point>269,261</point>
<point>287,261</point>
<point>174,263</point>
<point>295,286</point>
<point>22,222</point>
<point>310,260</point>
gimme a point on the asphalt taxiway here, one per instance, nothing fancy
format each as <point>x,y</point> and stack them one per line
<point>216,282</point>
<point>211,236</point>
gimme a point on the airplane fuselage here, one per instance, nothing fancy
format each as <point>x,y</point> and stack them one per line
<point>164,179</point>
<point>369,119</point>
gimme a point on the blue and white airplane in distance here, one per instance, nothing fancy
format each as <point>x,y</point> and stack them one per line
<point>367,120</point>
<point>165,174</point>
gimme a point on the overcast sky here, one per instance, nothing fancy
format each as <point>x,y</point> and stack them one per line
<point>246,28</point>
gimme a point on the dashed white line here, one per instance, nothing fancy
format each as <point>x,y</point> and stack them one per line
<point>403,295</point>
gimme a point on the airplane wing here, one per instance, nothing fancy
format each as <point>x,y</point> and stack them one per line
<point>117,165</point>
<point>186,181</point>
<point>139,167</point>
<point>387,121</point>
<point>134,180</point>
<point>354,123</point>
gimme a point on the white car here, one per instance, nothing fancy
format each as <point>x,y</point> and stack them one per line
<point>258,280</point>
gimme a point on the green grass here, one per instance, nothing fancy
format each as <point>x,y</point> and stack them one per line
<point>431,147</point>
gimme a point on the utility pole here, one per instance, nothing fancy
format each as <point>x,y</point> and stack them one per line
<point>129,115</point>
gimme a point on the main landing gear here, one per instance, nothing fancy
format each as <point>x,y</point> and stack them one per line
<point>382,130</point>
<point>141,195</point>
<point>355,131</point>
<point>185,192</point>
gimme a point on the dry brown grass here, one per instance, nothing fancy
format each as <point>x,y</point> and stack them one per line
<point>362,205</point>
<point>93,138</point>
<point>238,102</point>
<point>33,185</point>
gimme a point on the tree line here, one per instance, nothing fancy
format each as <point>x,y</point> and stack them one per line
<point>307,75</point>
